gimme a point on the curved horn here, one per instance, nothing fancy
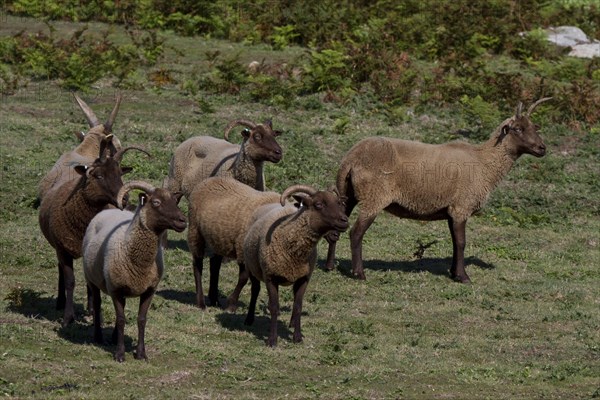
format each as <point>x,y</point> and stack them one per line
<point>309,190</point>
<point>235,123</point>
<point>537,103</point>
<point>519,110</point>
<point>89,114</point>
<point>111,119</point>
<point>141,185</point>
<point>118,157</point>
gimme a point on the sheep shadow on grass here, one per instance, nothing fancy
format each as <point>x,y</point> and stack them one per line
<point>82,332</point>
<point>435,266</point>
<point>32,304</point>
<point>190,297</point>
<point>260,327</point>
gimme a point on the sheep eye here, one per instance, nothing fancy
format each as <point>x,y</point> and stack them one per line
<point>318,206</point>
<point>99,177</point>
<point>258,136</point>
<point>155,203</point>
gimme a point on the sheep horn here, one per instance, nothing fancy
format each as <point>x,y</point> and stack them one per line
<point>534,105</point>
<point>126,188</point>
<point>519,110</point>
<point>89,114</point>
<point>118,157</point>
<point>104,145</point>
<point>80,136</point>
<point>309,190</point>
<point>111,119</point>
<point>235,123</point>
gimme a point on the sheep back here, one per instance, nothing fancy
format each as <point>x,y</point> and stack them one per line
<point>221,210</point>
<point>418,180</point>
<point>197,159</point>
<point>85,153</point>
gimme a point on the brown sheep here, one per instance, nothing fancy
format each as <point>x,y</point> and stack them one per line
<point>421,181</point>
<point>280,248</point>
<point>67,209</point>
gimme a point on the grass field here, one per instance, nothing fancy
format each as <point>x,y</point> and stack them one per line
<point>528,327</point>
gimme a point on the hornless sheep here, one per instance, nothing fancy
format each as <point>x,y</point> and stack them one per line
<point>221,209</point>
<point>67,209</point>
<point>430,182</point>
<point>123,258</point>
<point>85,153</point>
<point>201,157</point>
<point>280,248</point>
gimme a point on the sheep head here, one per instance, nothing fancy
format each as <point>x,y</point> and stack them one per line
<point>160,204</point>
<point>102,180</point>
<point>96,128</point>
<point>523,133</point>
<point>326,207</point>
<point>259,140</point>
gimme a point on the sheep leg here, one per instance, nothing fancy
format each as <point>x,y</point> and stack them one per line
<point>119,331</point>
<point>198,279</point>
<point>61,298</point>
<point>233,298</point>
<point>299,288</point>
<point>97,301</point>
<point>356,236</point>
<point>332,241</point>
<point>213,288</point>
<point>329,264</point>
<point>65,262</point>
<point>273,292</point>
<point>145,300</point>
<point>255,289</point>
<point>457,231</point>
<point>90,300</point>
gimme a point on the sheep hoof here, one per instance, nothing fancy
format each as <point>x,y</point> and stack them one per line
<point>141,355</point>
<point>359,275</point>
<point>272,342</point>
<point>119,357</point>
<point>461,278</point>
<point>67,320</point>
<point>298,337</point>
<point>231,308</point>
<point>329,267</point>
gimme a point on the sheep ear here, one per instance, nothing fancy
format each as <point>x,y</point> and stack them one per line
<point>81,169</point>
<point>143,197</point>
<point>277,133</point>
<point>126,170</point>
<point>268,123</point>
<point>303,199</point>
<point>246,133</point>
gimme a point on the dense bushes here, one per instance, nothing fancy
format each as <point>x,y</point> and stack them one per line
<point>409,53</point>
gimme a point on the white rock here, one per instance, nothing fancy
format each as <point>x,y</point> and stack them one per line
<point>567,36</point>
<point>588,50</point>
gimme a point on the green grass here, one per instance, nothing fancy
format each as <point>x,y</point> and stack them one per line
<point>527,327</point>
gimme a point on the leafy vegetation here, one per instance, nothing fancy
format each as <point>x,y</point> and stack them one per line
<point>336,72</point>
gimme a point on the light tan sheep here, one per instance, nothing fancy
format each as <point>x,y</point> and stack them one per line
<point>201,157</point>
<point>280,248</point>
<point>421,181</point>
<point>85,153</point>
<point>122,257</point>
<point>220,210</point>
